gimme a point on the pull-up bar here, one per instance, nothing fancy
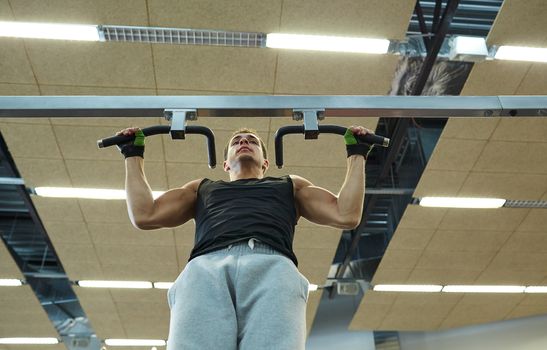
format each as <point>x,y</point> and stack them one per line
<point>273,106</point>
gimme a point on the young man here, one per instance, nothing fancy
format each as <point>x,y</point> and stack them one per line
<point>241,288</point>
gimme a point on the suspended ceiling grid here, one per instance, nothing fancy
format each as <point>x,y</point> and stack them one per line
<point>94,238</point>
<point>22,314</point>
<point>503,158</point>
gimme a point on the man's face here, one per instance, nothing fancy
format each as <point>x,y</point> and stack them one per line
<point>244,148</point>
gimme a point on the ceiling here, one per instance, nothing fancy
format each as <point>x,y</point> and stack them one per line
<point>94,239</point>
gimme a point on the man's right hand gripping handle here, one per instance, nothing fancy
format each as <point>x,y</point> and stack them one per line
<point>134,148</point>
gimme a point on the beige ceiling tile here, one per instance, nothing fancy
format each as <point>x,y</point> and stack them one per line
<point>57,209</point>
<point>534,83</point>
<point>442,276</point>
<point>329,178</point>
<point>470,128</point>
<point>328,151</point>
<point>19,90</point>
<point>104,211</point>
<point>414,311</point>
<point>89,63</point>
<point>468,240</point>
<point>75,90</point>
<point>368,122</point>
<point>79,261</point>
<point>17,137</point>
<point>455,154</point>
<point>536,221</point>
<point>22,315</point>
<point>527,310</point>
<point>519,260</point>
<point>80,142</point>
<point>371,18</point>
<point>154,295</point>
<point>490,298</point>
<point>15,67</point>
<point>314,263</point>
<point>467,315</point>
<point>184,235</point>
<point>516,157</point>
<point>111,174</point>
<point>166,272</point>
<point>390,276</point>
<point>246,15</point>
<point>317,237</point>
<point>183,255</point>
<point>418,217</point>
<point>101,311</point>
<point>178,174</point>
<point>43,172</point>
<point>260,124</point>
<point>510,276</point>
<point>126,234</point>
<point>447,260</point>
<point>523,241</point>
<point>442,183</point>
<point>400,258</point>
<point>333,73</point>
<point>8,267</point>
<point>145,319</point>
<point>506,219</point>
<point>490,78</point>
<point>519,23</point>
<point>137,255</point>
<point>132,12</point>
<point>214,68</point>
<point>6,13</point>
<point>504,185</point>
<point>63,232</point>
<point>311,308</point>
<point>373,308</point>
<point>527,129</point>
<point>408,238</point>
<point>193,149</point>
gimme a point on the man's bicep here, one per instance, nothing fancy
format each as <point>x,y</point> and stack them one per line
<point>318,205</point>
<point>175,207</point>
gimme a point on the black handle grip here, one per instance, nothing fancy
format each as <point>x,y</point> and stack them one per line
<point>326,129</point>
<point>166,129</point>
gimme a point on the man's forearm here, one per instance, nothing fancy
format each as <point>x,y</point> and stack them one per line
<point>140,202</point>
<point>352,193</point>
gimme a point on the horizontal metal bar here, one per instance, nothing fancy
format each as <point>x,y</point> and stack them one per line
<point>272,106</point>
<point>11,181</point>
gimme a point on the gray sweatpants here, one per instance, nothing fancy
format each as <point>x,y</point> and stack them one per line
<point>246,296</point>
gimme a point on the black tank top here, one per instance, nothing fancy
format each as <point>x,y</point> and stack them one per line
<point>229,212</point>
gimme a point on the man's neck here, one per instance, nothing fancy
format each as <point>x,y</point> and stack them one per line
<point>246,173</point>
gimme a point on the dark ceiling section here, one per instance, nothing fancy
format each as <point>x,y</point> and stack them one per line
<point>22,232</point>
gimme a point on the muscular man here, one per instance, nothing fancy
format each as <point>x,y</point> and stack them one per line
<point>241,288</point>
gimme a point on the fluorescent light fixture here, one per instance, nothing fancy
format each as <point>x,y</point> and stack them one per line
<point>30,341</point>
<point>468,48</point>
<point>535,289</point>
<point>135,342</point>
<point>115,284</point>
<point>10,282</point>
<point>483,289</point>
<point>326,43</point>
<point>49,31</point>
<point>460,202</point>
<point>163,285</point>
<point>521,53</point>
<point>430,288</point>
<point>87,193</point>
<point>312,287</point>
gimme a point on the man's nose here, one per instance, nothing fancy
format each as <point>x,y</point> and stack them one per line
<point>243,140</point>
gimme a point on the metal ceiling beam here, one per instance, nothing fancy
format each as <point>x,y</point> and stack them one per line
<point>273,106</point>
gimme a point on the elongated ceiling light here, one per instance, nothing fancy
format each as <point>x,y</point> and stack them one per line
<point>135,342</point>
<point>520,53</point>
<point>115,284</point>
<point>49,31</point>
<point>10,282</point>
<point>29,341</point>
<point>461,202</point>
<point>483,289</point>
<point>88,193</point>
<point>326,43</point>
<point>407,288</point>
